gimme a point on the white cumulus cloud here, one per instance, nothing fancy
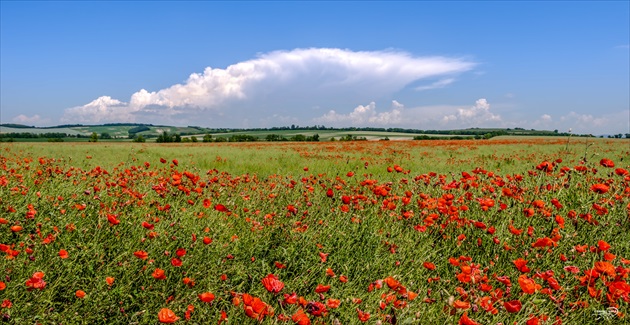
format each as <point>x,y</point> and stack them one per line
<point>364,115</point>
<point>102,109</point>
<point>611,123</point>
<point>30,120</point>
<point>274,84</point>
<point>478,115</point>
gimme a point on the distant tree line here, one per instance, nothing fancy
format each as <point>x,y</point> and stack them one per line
<point>250,138</point>
<point>297,137</point>
<point>28,135</point>
<point>619,136</point>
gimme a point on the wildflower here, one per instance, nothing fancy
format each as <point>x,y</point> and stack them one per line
<point>6,303</point>
<point>167,316</point>
<point>80,294</point>
<point>528,285</point>
<point>521,265</point>
<point>602,246</point>
<point>255,308</point>
<point>300,318</point>
<point>513,306</point>
<point>272,284</point>
<point>36,281</point>
<point>363,316</point>
<point>461,304</point>
<point>63,254</point>
<point>158,274</point>
<point>464,320</point>
<point>290,299</point>
<point>333,303</point>
<point>316,308</point>
<point>607,163</point>
<point>600,188</point>
<point>322,288</point>
<point>141,255</point>
<point>206,297</point>
<point>176,262</point>
<point>113,219</point>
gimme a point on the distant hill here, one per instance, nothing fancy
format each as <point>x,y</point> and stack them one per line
<point>291,133</point>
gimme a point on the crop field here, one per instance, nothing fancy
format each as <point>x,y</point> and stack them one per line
<point>501,231</point>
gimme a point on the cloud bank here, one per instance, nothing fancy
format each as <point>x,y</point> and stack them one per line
<point>30,120</point>
<point>278,83</point>
<point>422,117</point>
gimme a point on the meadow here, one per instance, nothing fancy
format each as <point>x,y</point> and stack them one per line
<point>502,231</point>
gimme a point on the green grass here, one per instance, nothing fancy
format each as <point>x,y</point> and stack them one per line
<point>257,182</point>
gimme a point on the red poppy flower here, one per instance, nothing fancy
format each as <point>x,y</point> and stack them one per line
<point>255,308</point>
<point>461,304</point>
<point>521,265</point>
<point>316,308</point>
<point>63,254</point>
<point>109,280</point>
<point>158,274</point>
<point>621,172</point>
<point>544,242</point>
<point>113,219</point>
<point>6,303</point>
<point>322,288</point>
<point>363,316</point>
<point>206,297</point>
<point>290,299</point>
<point>80,294</point>
<point>176,262</point>
<point>272,284</point>
<point>600,188</point>
<point>36,281</point>
<point>605,267</point>
<point>167,316</point>
<point>464,320</point>
<point>602,246</point>
<point>607,163</point>
<point>392,283</point>
<point>513,306</point>
<point>141,254</point>
<point>220,208</point>
<point>528,285</point>
<point>300,318</point>
<point>429,265</point>
<point>333,303</point>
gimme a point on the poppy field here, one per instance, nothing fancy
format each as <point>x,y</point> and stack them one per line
<point>502,231</point>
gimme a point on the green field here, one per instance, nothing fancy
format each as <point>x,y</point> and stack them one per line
<point>506,230</point>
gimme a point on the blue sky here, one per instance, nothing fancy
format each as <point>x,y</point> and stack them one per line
<point>423,65</point>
